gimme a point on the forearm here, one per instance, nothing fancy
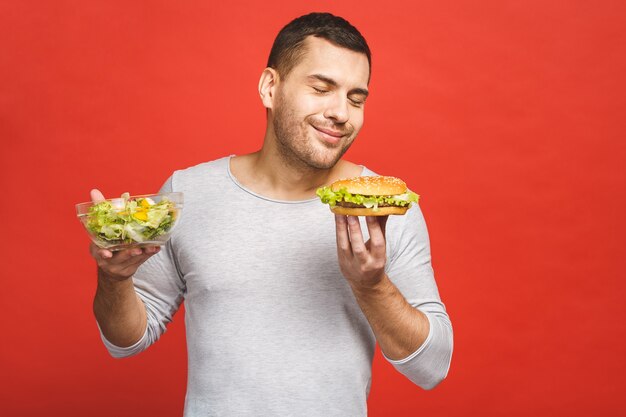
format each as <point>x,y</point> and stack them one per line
<point>119,311</point>
<point>399,328</point>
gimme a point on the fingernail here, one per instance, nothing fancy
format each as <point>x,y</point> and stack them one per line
<point>352,220</point>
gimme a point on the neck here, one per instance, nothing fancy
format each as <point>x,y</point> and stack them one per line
<point>268,173</point>
<point>277,178</point>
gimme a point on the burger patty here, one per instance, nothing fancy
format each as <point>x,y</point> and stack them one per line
<point>353,205</point>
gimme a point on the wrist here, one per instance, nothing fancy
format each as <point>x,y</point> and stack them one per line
<point>107,281</point>
<point>373,287</point>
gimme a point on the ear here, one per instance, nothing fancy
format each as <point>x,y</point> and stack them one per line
<point>267,86</point>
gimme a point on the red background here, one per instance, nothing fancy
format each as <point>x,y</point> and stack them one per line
<point>506,116</point>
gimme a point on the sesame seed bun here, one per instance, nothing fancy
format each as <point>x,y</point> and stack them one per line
<point>379,185</point>
<point>369,186</point>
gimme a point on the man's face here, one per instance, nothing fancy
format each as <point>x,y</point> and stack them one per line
<point>318,107</point>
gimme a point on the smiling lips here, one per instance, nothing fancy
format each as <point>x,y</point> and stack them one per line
<point>330,136</point>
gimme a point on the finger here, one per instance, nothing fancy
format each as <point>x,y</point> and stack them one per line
<point>383,224</point>
<point>130,267</point>
<point>96,196</point>
<point>140,251</point>
<point>126,255</point>
<point>343,240</point>
<point>356,238</point>
<point>152,249</point>
<point>107,257</point>
<point>98,252</point>
<point>377,236</point>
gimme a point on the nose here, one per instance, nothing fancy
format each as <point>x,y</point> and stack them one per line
<point>337,109</point>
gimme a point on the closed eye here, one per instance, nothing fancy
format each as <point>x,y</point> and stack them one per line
<point>357,102</point>
<point>319,90</point>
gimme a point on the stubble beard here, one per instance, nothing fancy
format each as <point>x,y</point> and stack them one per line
<point>295,145</point>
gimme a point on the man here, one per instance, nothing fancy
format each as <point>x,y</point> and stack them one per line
<point>284,301</point>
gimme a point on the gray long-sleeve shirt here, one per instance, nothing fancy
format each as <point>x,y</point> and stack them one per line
<point>273,328</point>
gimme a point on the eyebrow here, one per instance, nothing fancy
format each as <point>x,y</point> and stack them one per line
<point>333,83</point>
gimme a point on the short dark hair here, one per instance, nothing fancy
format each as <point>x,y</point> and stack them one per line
<point>288,46</point>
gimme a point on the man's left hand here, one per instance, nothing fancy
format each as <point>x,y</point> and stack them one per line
<point>362,263</point>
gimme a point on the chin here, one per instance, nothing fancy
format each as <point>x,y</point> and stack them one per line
<point>322,165</point>
<point>324,159</point>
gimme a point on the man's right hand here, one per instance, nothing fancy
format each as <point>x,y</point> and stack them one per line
<point>118,309</point>
<point>119,265</point>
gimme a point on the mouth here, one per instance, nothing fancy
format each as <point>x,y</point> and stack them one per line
<point>329,135</point>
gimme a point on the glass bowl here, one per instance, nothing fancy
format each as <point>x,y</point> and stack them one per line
<point>131,221</point>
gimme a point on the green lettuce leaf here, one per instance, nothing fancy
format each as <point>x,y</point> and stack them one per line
<point>130,221</point>
<point>331,198</point>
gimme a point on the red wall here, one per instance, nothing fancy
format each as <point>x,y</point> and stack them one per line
<point>506,116</point>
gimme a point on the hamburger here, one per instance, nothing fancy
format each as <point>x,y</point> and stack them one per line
<point>368,196</point>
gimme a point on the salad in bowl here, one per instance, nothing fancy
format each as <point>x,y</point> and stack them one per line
<point>131,221</point>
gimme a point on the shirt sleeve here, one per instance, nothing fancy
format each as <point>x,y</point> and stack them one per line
<point>161,287</point>
<point>409,268</point>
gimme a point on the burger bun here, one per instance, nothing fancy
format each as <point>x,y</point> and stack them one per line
<point>361,211</point>
<point>379,185</point>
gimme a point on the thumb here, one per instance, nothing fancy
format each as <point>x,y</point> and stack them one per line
<point>96,196</point>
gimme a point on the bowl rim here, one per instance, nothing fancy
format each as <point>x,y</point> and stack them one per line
<point>134,197</point>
